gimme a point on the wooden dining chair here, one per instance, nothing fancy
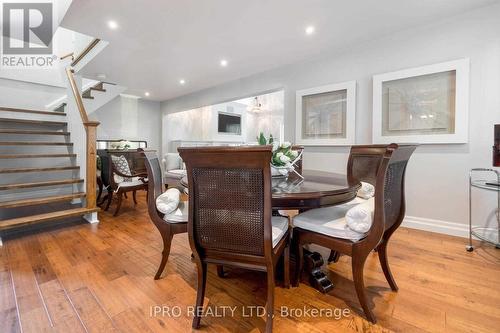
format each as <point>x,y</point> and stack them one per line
<point>384,167</point>
<point>230,215</point>
<point>119,183</point>
<point>168,226</point>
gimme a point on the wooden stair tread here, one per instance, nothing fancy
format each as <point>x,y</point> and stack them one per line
<point>88,97</point>
<point>98,89</point>
<point>7,224</point>
<point>39,184</point>
<point>52,113</point>
<point>34,143</point>
<point>30,121</point>
<point>39,201</point>
<point>36,132</point>
<point>17,170</point>
<point>9,156</point>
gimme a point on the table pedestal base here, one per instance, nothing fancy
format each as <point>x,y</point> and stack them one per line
<point>318,279</point>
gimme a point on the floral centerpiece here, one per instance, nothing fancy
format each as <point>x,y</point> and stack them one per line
<point>284,157</point>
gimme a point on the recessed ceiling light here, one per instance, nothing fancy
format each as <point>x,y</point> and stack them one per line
<point>146,94</point>
<point>310,30</point>
<point>223,62</point>
<point>182,82</point>
<point>112,25</point>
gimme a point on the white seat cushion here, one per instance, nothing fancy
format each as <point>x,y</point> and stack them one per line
<point>279,228</point>
<point>176,173</point>
<point>134,182</point>
<point>330,221</point>
<point>180,215</point>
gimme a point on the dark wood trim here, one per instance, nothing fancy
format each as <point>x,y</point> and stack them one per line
<point>29,121</point>
<point>32,132</point>
<point>39,201</point>
<point>40,184</point>
<point>47,169</point>
<point>50,113</point>
<point>10,156</point>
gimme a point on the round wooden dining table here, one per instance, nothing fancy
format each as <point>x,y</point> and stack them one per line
<point>316,189</point>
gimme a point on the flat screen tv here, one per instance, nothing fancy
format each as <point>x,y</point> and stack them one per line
<point>229,123</point>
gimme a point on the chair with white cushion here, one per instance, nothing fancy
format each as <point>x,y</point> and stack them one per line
<point>174,170</point>
<point>230,215</point>
<point>165,209</point>
<point>358,227</point>
<point>120,179</point>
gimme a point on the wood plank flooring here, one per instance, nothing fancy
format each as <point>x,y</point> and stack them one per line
<point>99,278</point>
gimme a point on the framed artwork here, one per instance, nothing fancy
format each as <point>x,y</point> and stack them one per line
<point>423,105</point>
<point>326,115</point>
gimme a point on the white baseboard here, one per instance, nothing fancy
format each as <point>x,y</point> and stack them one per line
<point>441,227</point>
<point>91,218</point>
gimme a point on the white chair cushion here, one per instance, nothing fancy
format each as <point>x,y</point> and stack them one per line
<point>134,181</point>
<point>176,173</point>
<point>168,201</point>
<point>172,161</point>
<point>180,215</point>
<point>330,221</point>
<point>279,228</point>
<point>366,191</point>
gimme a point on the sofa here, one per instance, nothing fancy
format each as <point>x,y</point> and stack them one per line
<point>174,170</point>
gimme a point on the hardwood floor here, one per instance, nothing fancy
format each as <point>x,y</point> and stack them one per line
<point>99,278</point>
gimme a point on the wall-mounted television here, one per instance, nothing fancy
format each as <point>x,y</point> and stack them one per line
<point>229,123</point>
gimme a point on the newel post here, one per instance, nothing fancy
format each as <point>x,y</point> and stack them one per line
<point>91,156</point>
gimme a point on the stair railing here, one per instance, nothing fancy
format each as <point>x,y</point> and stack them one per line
<point>91,143</point>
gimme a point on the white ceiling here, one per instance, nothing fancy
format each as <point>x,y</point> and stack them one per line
<point>158,42</point>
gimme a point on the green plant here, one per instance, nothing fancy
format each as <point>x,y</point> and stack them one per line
<point>283,154</point>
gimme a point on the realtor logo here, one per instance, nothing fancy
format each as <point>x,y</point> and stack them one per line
<point>27,32</point>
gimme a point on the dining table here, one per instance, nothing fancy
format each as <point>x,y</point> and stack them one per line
<point>312,189</point>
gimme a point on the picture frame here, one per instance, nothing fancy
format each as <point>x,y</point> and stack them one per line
<point>326,115</point>
<point>427,105</point>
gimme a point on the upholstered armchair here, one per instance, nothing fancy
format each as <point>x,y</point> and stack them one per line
<point>174,170</point>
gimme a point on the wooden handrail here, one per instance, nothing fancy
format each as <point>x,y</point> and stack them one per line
<point>91,143</point>
<point>89,47</point>
<point>76,94</point>
<point>67,56</point>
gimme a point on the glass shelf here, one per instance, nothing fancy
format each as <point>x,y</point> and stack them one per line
<point>482,184</point>
<point>490,235</point>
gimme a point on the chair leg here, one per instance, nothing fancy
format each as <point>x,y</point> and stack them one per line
<point>382,256</point>
<point>167,243</point>
<point>299,262</point>
<point>110,198</point>
<point>202,282</point>
<point>220,271</point>
<point>357,273</point>
<point>119,204</point>
<point>270,299</point>
<point>334,256</point>
<point>134,196</point>
<point>286,264</point>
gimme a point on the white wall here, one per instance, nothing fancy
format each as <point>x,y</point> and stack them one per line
<point>131,119</point>
<point>437,174</point>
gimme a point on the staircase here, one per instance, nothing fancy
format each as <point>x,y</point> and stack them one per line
<point>39,178</point>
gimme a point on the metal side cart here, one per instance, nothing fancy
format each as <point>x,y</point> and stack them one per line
<point>488,234</point>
